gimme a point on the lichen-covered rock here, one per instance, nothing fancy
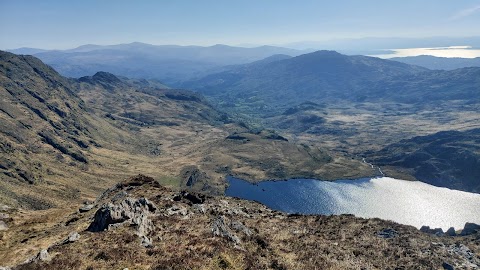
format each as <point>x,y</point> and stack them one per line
<point>220,228</point>
<point>129,210</point>
<point>224,227</point>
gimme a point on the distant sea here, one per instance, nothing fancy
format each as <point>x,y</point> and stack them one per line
<point>451,51</point>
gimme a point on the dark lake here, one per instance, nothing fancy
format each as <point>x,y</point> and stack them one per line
<point>407,202</point>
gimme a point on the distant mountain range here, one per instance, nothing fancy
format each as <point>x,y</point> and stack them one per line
<point>169,63</point>
<point>432,62</point>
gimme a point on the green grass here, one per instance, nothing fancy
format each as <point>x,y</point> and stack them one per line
<point>169,181</point>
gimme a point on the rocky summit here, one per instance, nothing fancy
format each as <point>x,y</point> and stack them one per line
<point>140,224</point>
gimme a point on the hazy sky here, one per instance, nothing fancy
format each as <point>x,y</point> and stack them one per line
<point>66,24</point>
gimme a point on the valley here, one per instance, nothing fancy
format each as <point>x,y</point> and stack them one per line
<point>64,141</point>
<point>238,135</point>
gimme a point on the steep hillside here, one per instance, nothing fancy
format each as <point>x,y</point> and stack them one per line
<point>448,159</point>
<point>42,121</point>
<point>139,224</point>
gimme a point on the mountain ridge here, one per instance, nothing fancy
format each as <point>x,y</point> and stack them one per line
<point>169,63</point>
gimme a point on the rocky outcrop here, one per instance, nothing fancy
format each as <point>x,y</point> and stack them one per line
<point>451,232</point>
<point>470,228</point>
<point>224,227</point>
<point>436,231</point>
<point>220,227</point>
<point>128,210</point>
<point>192,175</point>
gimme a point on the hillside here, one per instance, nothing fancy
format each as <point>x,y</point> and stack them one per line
<point>448,158</point>
<point>43,122</point>
<point>349,104</point>
<point>65,140</point>
<point>139,224</point>
<point>169,63</point>
<point>327,76</point>
<point>322,76</point>
<point>444,63</point>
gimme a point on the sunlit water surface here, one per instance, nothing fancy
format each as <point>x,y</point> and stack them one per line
<point>406,202</point>
<point>449,52</point>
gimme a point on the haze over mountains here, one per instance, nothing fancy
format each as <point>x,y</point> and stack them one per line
<point>170,63</point>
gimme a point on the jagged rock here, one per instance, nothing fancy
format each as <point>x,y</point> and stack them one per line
<point>86,208</point>
<point>4,207</point>
<point>451,232</point>
<point>470,228</point>
<point>387,233</point>
<point>436,231</point>
<point>220,228</point>
<point>4,268</point>
<point>473,262</point>
<point>223,227</point>
<point>4,216</point>
<point>128,210</point>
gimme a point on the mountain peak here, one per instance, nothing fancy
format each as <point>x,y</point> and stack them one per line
<point>326,53</point>
<point>105,77</point>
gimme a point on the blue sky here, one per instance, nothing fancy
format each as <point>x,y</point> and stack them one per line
<point>66,24</point>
